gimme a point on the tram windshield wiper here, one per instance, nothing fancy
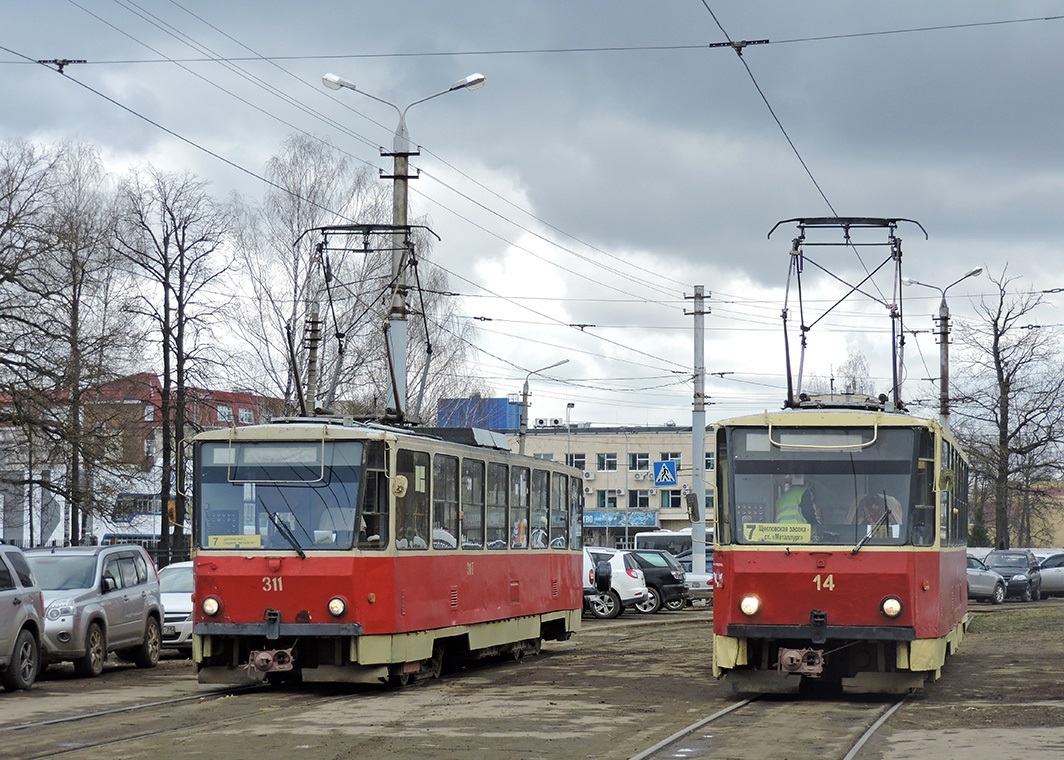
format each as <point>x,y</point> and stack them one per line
<point>284,530</point>
<point>883,520</point>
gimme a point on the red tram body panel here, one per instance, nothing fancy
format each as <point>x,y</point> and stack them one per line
<point>839,555</point>
<point>338,551</point>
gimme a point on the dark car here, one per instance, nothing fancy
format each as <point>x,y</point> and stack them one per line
<point>21,616</point>
<point>1019,568</point>
<point>664,578</point>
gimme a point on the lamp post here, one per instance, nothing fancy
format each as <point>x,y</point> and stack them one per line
<point>401,152</point>
<point>523,432</point>
<point>943,340</point>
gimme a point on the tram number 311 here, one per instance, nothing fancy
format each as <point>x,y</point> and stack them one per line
<point>276,584</point>
<point>825,583</point>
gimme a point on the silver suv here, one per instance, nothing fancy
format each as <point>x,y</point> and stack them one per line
<point>99,599</point>
<point>21,615</point>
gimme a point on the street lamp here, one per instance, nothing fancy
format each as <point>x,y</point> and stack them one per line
<point>943,340</point>
<point>401,152</point>
<point>524,404</point>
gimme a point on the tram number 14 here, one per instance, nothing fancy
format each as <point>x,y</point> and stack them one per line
<point>826,582</point>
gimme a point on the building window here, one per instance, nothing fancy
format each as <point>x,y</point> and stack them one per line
<point>246,416</point>
<point>639,499</point>
<point>149,447</point>
<point>639,462</point>
<point>671,456</point>
<point>225,414</point>
<point>607,499</point>
<point>711,460</point>
<point>579,461</point>
<point>607,462</point>
<point>671,499</point>
<point>149,412</point>
<point>710,499</point>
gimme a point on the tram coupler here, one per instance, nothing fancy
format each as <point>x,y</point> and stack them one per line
<point>271,661</point>
<point>805,662</point>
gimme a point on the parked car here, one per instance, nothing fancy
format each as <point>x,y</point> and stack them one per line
<point>175,585</point>
<point>99,599</point>
<point>21,617</point>
<point>627,585</point>
<point>1019,568</point>
<point>1053,575</point>
<point>699,585</point>
<point>984,583</point>
<point>664,578</point>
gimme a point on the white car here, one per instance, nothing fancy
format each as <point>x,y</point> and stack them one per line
<point>175,585</point>
<point>627,585</point>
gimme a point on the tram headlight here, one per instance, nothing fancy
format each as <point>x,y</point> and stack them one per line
<point>337,607</point>
<point>211,606</point>
<point>750,605</point>
<point>891,606</point>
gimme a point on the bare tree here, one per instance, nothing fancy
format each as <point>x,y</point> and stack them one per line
<point>171,229</point>
<point>1011,405</point>
<point>346,279</point>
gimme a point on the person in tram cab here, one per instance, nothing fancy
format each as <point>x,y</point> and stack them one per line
<point>878,512</point>
<point>797,505</point>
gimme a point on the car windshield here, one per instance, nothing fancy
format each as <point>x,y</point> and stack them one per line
<point>176,580</point>
<point>1007,560</point>
<point>55,572</point>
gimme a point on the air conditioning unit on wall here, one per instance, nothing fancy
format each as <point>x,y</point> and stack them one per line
<point>640,476</point>
<point>653,491</point>
<point>588,490</point>
<point>541,421</point>
<point>589,474</point>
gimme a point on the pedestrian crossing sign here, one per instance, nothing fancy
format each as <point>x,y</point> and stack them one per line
<point>665,473</point>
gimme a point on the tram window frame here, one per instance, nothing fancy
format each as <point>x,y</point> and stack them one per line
<point>576,514</point>
<point>498,490</point>
<point>520,506</point>
<point>412,507</point>
<point>558,533</point>
<point>723,532</point>
<point>471,512</point>
<point>538,527</point>
<point>445,502</point>
<point>376,499</point>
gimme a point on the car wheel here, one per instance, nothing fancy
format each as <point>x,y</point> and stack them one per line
<point>606,606</point>
<point>675,605</point>
<point>653,602</point>
<point>1037,594</point>
<point>147,654</point>
<point>90,664</point>
<point>999,594</point>
<point>25,662</point>
<point>1027,596</point>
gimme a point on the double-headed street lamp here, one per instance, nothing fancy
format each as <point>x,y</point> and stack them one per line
<point>523,431</point>
<point>401,152</point>
<point>943,340</point>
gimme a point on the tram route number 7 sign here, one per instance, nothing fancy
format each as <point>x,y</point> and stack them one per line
<point>665,473</point>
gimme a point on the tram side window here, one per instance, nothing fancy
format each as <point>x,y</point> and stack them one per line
<point>373,525</point>
<point>519,494</point>
<point>472,504</point>
<point>412,507</point>
<point>559,513</point>
<point>445,502</point>
<point>537,535</point>
<point>498,490</point>
<point>923,512</point>
<point>576,514</point>
<point>723,533</point>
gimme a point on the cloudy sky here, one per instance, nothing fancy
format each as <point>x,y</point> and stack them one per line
<point>617,157</point>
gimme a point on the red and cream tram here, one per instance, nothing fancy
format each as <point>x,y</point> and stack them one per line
<point>337,551</point>
<point>840,548</point>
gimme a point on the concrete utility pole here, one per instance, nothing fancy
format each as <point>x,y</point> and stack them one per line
<point>522,433</point>
<point>400,154</point>
<point>698,438</point>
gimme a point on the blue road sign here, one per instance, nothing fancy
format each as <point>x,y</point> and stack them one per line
<point>665,473</point>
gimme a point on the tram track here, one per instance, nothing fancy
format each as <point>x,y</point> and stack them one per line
<point>796,728</point>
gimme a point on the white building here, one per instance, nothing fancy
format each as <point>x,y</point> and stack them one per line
<point>625,490</point>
